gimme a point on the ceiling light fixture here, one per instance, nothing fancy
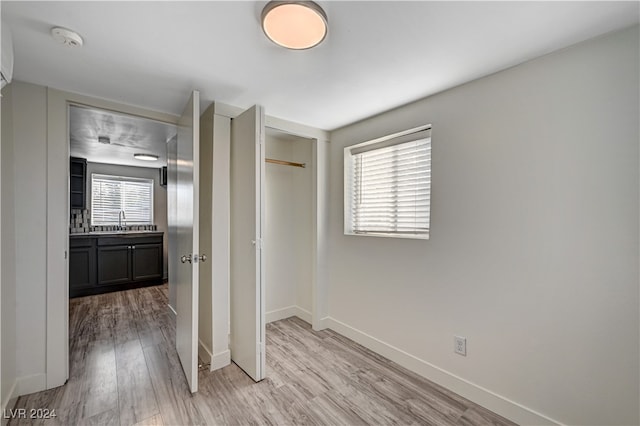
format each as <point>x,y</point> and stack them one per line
<point>104,139</point>
<point>66,37</point>
<point>295,25</point>
<point>146,157</point>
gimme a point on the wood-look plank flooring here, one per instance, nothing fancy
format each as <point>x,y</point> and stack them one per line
<point>125,371</point>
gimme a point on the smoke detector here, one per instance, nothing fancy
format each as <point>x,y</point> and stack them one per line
<point>104,139</point>
<point>66,37</point>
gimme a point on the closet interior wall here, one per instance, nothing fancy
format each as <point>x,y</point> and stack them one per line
<point>288,233</point>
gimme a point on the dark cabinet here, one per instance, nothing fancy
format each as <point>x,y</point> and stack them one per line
<point>147,262</point>
<point>78,183</point>
<point>114,265</point>
<point>102,263</point>
<point>82,255</point>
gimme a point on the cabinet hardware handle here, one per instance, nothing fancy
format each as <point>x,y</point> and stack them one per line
<point>185,259</point>
<point>203,257</point>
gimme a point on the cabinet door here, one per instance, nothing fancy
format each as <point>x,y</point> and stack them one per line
<point>114,265</point>
<point>147,262</point>
<point>82,268</point>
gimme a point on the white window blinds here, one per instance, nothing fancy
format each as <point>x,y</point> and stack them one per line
<point>390,187</point>
<point>112,194</point>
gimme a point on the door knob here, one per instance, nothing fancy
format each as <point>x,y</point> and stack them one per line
<point>203,257</point>
<point>185,259</point>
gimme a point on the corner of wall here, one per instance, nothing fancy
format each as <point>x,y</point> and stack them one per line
<point>220,360</point>
<point>32,383</point>
<point>204,352</point>
<point>9,384</point>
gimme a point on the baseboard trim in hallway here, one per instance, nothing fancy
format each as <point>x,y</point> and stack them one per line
<point>481,396</point>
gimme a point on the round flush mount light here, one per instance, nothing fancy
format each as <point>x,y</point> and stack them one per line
<point>66,37</point>
<point>146,157</point>
<point>295,25</point>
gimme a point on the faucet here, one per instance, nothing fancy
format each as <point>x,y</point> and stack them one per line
<point>121,216</point>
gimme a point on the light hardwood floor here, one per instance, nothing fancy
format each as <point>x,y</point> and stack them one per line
<point>124,370</point>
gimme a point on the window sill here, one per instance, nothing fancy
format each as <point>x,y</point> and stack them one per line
<point>383,235</point>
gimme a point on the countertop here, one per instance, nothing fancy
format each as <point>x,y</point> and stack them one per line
<point>114,233</point>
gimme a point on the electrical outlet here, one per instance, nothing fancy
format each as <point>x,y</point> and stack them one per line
<point>460,345</point>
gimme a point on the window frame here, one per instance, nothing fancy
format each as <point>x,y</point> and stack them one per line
<point>149,181</point>
<point>405,136</point>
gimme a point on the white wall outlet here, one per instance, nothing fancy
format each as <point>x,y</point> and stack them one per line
<point>460,345</point>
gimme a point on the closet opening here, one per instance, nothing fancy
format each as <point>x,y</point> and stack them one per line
<point>289,226</point>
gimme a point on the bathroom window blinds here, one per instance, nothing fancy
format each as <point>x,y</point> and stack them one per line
<point>112,194</point>
<point>389,187</point>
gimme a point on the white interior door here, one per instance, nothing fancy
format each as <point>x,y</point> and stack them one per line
<point>247,257</point>
<point>187,237</point>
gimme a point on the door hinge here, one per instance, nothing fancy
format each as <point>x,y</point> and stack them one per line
<point>260,348</point>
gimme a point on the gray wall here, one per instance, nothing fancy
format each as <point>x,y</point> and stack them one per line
<point>533,254</point>
<point>7,254</point>
<point>159,193</point>
<point>25,152</point>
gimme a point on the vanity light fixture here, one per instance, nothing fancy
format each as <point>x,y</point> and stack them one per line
<point>146,157</point>
<point>295,25</point>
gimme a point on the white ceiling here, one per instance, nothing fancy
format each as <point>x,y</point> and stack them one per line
<point>377,55</point>
<point>128,135</point>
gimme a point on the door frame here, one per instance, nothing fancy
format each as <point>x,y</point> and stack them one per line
<point>320,141</point>
<point>58,210</point>
<point>320,211</point>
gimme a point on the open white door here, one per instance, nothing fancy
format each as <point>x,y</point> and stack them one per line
<point>247,259</point>
<point>186,231</point>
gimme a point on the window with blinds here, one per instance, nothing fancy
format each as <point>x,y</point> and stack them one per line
<point>112,194</point>
<point>388,186</point>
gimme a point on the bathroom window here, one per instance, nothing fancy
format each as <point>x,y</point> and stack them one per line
<point>388,186</point>
<point>112,195</point>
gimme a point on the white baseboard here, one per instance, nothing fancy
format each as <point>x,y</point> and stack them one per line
<point>303,314</point>
<point>9,401</point>
<point>204,352</point>
<point>31,384</point>
<point>323,324</point>
<point>484,397</point>
<point>288,312</point>
<point>220,360</point>
<point>173,311</point>
<point>279,314</point>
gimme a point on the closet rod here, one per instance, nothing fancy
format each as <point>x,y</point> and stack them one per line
<point>285,163</point>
